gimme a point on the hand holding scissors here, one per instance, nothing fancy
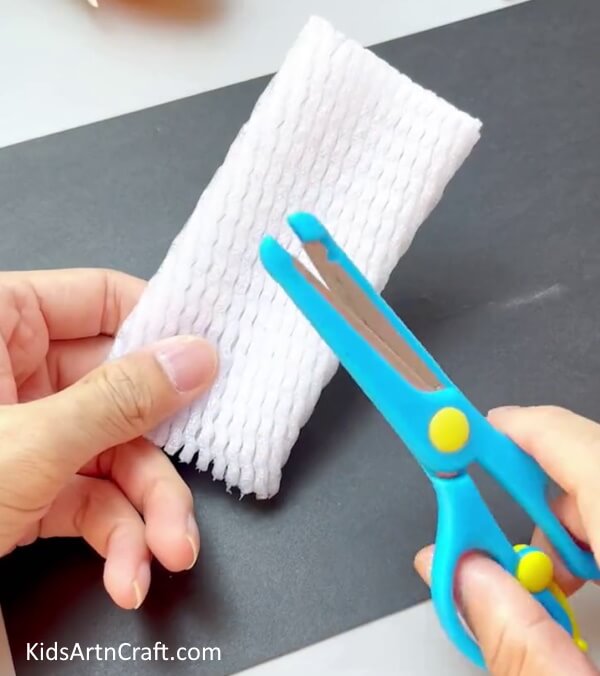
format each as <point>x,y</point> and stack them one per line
<point>515,633</point>
<point>437,423</point>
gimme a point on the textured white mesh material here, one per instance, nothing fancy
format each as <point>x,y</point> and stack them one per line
<point>340,133</point>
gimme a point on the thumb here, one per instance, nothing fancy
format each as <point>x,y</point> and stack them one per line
<point>515,633</point>
<point>118,402</point>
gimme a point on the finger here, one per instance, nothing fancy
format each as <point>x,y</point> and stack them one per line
<point>565,508</point>
<point>567,447</point>
<point>97,511</point>
<point>562,576</point>
<point>151,483</point>
<point>114,404</point>
<point>79,303</point>
<point>516,635</point>
<point>70,360</point>
<point>8,386</point>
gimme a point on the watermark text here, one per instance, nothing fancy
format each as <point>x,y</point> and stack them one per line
<point>124,652</point>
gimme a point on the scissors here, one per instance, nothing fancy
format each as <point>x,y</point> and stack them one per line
<point>441,428</point>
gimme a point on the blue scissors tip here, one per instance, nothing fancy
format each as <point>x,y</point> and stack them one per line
<point>268,247</point>
<point>307,227</point>
<point>272,255</point>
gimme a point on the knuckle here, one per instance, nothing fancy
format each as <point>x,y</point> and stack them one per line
<point>186,498</point>
<point>130,401</point>
<point>162,486</point>
<point>100,493</point>
<point>99,500</point>
<point>81,514</point>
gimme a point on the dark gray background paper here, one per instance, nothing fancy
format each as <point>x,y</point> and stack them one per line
<point>501,284</point>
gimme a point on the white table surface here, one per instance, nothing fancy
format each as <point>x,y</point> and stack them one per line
<point>64,64</point>
<point>409,642</point>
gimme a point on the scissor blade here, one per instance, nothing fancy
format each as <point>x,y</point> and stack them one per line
<point>356,346</point>
<point>376,332</point>
<point>357,308</point>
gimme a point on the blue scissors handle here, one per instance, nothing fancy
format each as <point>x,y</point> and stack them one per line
<point>456,537</point>
<point>438,424</point>
<point>525,481</point>
<point>518,473</point>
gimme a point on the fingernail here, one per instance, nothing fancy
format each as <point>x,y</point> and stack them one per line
<point>423,561</point>
<point>193,537</point>
<point>189,362</point>
<point>141,584</point>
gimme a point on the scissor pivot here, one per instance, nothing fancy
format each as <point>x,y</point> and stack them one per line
<point>449,430</point>
<point>535,571</point>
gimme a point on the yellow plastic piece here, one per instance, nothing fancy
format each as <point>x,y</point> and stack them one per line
<point>535,571</point>
<point>564,604</point>
<point>449,430</point>
<point>535,574</point>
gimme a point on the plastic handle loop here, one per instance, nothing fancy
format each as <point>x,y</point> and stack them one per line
<point>456,537</point>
